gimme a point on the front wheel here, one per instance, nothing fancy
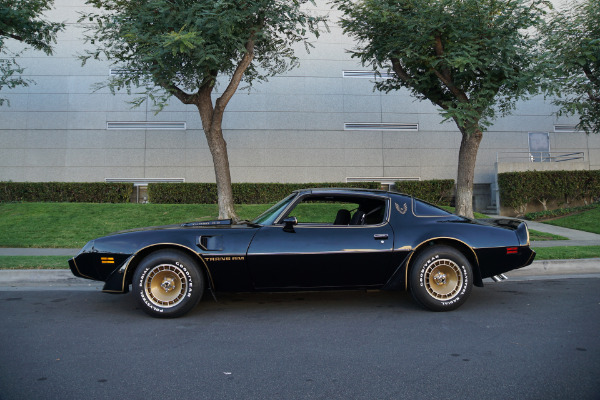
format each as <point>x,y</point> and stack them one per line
<point>168,283</point>
<point>441,278</point>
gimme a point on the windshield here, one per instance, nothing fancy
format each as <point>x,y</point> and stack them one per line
<point>272,213</point>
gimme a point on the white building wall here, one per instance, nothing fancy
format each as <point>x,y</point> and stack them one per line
<point>290,129</point>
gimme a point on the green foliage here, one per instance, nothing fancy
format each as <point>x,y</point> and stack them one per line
<point>517,189</point>
<point>184,45</point>
<point>95,192</point>
<point>22,20</point>
<point>572,42</point>
<point>472,58</point>
<point>243,193</point>
<point>438,191</point>
<point>544,236</point>
<point>559,212</point>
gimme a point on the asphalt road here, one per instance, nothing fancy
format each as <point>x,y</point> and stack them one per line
<point>534,339</point>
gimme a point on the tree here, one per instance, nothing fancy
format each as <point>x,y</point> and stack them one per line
<point>472,58</point>
<point>572,41</point>
<point>179,48</point>
<point>22,20</point>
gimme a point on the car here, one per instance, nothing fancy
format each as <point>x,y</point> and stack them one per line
<point>314,239</point>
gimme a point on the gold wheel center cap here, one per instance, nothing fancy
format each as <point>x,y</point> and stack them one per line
<point>440,278</point>
<point>168,284</point>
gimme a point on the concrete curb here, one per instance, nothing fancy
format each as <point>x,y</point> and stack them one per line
<point>51,277</point>
<point>38,276</point>
<point>559,267</point>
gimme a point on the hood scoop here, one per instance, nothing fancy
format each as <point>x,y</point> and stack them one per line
<point>216,222</point>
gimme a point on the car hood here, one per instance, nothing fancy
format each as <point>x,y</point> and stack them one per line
<point>196,224</point>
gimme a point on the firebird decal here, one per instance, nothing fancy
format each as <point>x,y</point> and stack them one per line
<point>403,209</point>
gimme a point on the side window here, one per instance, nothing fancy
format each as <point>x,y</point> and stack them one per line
<point>322,211</point>
<point>339,210</point>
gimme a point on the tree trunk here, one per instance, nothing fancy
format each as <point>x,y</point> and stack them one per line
<point>467,157</point>
<point>212,122</point>
<point>218,150</point>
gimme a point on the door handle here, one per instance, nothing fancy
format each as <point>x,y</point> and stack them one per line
<point>381,236</point>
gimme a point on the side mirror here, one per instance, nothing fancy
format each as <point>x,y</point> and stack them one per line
<point>289,224</point>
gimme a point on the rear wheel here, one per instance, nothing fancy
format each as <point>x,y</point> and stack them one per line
<point>168,283</point>
<point>441,278</point>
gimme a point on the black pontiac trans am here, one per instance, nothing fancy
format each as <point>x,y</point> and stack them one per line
<point>314,239</point>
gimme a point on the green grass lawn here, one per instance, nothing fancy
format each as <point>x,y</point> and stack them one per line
<point>537,235</point>
<point>71,225</point>
<point>588,221</point>
<point>34,262</point>
<point>567,252</point>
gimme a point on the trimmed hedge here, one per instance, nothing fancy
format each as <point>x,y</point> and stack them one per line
<point>437,191</point>
<point>243,193</point>
<point>61,192</point>
<point>518,189</point>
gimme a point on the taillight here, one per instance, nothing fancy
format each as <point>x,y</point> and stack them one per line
<point>512,250</point>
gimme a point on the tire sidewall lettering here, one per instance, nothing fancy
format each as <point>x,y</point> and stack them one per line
<point>424,268</point>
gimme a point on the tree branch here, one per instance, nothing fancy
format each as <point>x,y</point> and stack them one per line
<point>402,74</point>
<point>590,75</point>
<point>460,95</point>
<point>399,70</point>
<point>236,78</point>
<point>184,97</point>
<point>12,36</point>
<point>439,52</point>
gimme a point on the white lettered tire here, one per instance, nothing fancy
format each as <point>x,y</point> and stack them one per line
<point>168,283</point>
<point>440,278</point>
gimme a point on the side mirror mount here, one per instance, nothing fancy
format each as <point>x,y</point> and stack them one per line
<point>289,223</point>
